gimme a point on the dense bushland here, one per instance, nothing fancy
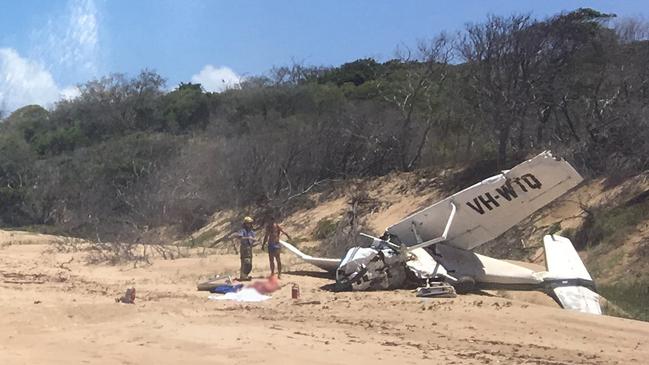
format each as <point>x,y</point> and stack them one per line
<point>127,156</point>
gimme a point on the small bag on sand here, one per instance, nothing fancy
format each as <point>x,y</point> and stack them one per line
<point>128,298</point>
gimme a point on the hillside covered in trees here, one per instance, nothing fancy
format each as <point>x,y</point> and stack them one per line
<point>128,155</point>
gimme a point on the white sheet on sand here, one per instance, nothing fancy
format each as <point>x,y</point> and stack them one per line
<point>243,295</point>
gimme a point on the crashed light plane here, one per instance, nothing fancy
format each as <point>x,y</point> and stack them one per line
<point>434,246</point>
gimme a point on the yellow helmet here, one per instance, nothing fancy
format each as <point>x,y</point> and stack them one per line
<point>247,220</point>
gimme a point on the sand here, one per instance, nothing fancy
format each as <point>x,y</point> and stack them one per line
<point>56,309</point>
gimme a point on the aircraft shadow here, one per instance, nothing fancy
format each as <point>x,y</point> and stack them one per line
<point>329,287</point>
<point>314,274</point>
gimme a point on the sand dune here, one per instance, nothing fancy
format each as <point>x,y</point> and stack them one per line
<point>57,311</point>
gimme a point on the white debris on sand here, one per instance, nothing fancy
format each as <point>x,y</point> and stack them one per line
<point>243,295</point>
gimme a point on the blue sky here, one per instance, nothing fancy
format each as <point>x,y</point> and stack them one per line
<point>49,46</point>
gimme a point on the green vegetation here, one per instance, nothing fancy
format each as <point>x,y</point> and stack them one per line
<point>602,236</point>
<point>632,297</point>
<point>611,225</point>
<point>554,228</point>
<point>127,155</point>
<point>203,239</point>
<point>324,229</point>
<point>605,259</point>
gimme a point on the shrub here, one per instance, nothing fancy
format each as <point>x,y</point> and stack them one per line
<point>325,228</point>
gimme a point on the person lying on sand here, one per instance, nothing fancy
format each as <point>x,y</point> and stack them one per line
<point>266,286</point>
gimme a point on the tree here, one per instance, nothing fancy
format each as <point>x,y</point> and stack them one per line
<point>357,72</point>
<point>516,63</point>
<point>186,107</point>
<point>16,163</point>
<point>632,29</point>
<point>416,94</point>
<point>500,73</point>
<point>29,121</point>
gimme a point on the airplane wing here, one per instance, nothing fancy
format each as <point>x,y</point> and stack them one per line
<point>325,264</point>
<point>569,279</point>
<point>486,210</point>
<point>578,298</point>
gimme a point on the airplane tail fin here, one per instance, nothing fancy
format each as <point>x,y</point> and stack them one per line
<point>567,276</point>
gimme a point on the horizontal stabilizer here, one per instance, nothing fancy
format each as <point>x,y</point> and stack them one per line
<point>325,264</point>
<point>568,277</point>
<point>578,298</point>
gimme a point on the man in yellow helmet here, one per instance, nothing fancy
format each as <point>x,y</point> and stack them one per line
<point>247,241</point>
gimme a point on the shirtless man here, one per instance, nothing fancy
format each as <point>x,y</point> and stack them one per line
<point>273,230</point>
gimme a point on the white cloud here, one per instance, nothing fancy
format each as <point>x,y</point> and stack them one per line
<point>69,43</point>
<point>69,93</point>
<point>24,81</point>
<point>65,48</point>
<point>217,79</point>
<point>81,37</point>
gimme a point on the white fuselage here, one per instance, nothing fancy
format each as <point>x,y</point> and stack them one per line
<point>485,271</point>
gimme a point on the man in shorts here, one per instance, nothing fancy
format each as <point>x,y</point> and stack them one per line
<point>271,237</point>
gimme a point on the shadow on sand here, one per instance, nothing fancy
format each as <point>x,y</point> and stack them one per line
<point>330,287</point>
<point>313,274</point>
